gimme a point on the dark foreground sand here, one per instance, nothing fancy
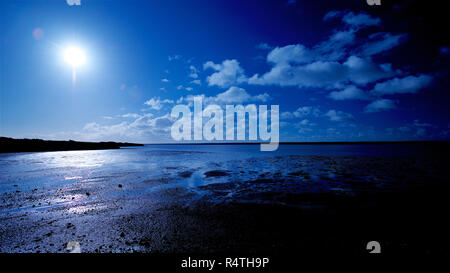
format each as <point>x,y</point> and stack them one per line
<point>302,205</point>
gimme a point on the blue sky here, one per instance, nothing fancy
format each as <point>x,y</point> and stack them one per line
<point>339,71</point>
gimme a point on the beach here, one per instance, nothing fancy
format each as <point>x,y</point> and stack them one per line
<point>221,200</point>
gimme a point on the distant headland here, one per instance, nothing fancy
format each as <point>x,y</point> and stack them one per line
<point>11,145</point>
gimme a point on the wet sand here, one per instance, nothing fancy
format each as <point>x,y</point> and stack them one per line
<point>298,204</point>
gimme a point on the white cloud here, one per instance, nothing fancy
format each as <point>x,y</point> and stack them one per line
<point>352,19</point>
<point>416,128</point>
<point>335,115</point>
<point>193,72</point>
<point>302,112</point>
<point>143,129</point>
<point>179,87</point>
<point>228,73</point>
<point>210,64</point>
<point>339,60</point>
<point>165,80</point>
<point>331,49</point>
<point>261,97</point>
<point>421,127</point>
<point>286,115</point>
<point>364,70</point>
<point>73,2</point>
<point>335,48</point>
<point>349,93</point>
<point>234,95</point>
<point>325,74</point>
<point>409,84</point>
<point>304,122</point>
<point>360,19</point>
<point>380,42</point>
<point>156,103</point>
<point>174,57</point>
<point>263,46</point>
<point>131,115</point>
<point>291,53</point>
<point>417,123</point>
<point>343,40</point>
<point>196,82</point>
<point>239,95</point>
<point>380,105</point>
<point>332,15</point>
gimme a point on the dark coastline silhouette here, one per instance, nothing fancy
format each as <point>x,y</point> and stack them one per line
<point>11,145</point>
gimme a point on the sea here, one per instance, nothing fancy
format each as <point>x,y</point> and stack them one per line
<point>179,165</point>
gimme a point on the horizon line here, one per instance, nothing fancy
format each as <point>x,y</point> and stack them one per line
<point>251,142</point>
<point>300,142</point>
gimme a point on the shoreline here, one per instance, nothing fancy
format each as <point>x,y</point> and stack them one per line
<point>11,145</point>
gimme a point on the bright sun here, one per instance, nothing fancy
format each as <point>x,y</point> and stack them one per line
<point>74,56</point>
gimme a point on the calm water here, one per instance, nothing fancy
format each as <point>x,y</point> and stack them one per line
<point>46,170</point>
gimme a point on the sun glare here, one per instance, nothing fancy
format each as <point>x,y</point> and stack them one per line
<point>74,56</point>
